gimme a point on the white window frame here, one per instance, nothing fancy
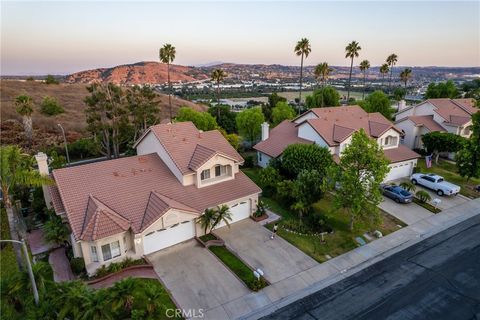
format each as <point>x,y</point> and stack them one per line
<point>113,250</point>
<point>205,175</point>
<point>93,253</point>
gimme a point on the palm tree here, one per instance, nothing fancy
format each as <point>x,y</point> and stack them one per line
<point>351,51</point>
<point>16,171</point>
<point>218,75</point>
<point>167,55</point>
<point>321,72</point>
<point>405,75</point>
<point>152,299</point>
<point>391,61</point>
<point>207,219</point>
<point>71,297</point>
<point>24,104</point>
<point>384,69</point>
<point>302,49</point>
<point>95,308</point>
<point>55,230</point>
<point>222,213</point>
<point>121,296</point>
<point>364,66</point>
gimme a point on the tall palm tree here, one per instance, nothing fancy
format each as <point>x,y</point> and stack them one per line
<point>391,61</point>
<point>222,213</point>
<point>405,75</point>
<point>364,66</point>
<point>302,49</point>
<point>351,51</point>
<point>321,72</point>
<point>384,69</point>
<point>218,75</point>
<point>207,219</point>
<point>24,104</point>
<point>167,55</point>
<point>16,171</point>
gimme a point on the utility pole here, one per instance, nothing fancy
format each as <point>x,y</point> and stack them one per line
<point>65,142</point>
<point>29,268</point>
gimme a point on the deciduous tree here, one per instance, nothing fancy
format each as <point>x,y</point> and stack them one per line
<point>202,120</point>
<point>249,124</point>
<point>436,142</point>
<point>442,90</point>
<point>281,112</point>
<point>468,158</point>
<point>323,97</point>
<point>377,102</point>
<point>299,157</point>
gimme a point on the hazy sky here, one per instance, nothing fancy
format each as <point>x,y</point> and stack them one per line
<point>63,37</point>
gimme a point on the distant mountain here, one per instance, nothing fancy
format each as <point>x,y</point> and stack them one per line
<point>138,73</point>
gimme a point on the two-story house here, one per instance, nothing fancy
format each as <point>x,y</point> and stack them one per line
<point>443,115</point>
<point>131,207</point>
<point>332,128</point>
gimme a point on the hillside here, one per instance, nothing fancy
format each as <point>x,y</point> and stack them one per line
<point>70,96</point>
<point>138,73</point>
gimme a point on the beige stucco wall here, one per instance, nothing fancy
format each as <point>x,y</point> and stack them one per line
<point>389,133</point>
<point>210,164</point>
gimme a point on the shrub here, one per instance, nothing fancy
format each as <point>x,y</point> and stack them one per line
<point>408,186</point>
<point>249,162</point>
<point>423,196</point>
<point>50,106</point>
<point>269,177</point>
<point>84,148</point>
<point>260,209</point>
<point>298,157</point>
<point>78,265</point>
<point>51,79</point>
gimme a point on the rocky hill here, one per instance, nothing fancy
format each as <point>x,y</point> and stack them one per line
<point>138,73</point>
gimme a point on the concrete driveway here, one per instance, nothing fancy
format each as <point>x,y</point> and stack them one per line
<point>447,201</point>
<point>408,213</point>
<point>277,258</point>
<point>196,279</point>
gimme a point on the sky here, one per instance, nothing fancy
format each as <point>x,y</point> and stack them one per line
<point>63,37</point>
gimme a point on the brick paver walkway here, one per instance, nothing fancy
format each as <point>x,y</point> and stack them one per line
<point>137,272</point>
<point>60,265</point>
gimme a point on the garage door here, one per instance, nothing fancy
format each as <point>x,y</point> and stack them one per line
<point>399,170</point>
<point>164,238</point>
<point>239,212</point>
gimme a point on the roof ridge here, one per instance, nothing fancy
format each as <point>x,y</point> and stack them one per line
<point>162,195</point>
<point>461,106</point>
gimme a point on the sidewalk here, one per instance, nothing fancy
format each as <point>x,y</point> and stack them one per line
<point>309,281</point>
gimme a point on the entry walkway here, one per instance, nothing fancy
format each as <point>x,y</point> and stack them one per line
<point>60,265</point>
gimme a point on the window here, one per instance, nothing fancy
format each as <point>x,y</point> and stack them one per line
<point>205,174</point>
<point>93,253</point>
<point>259,157</point>
<point>111,250</point>
<point>220,170</point>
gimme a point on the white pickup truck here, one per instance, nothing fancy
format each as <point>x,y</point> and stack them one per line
<point>435,183</point>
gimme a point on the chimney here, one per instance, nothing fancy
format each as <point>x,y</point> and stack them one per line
<point>402,104</point>
<point>42,161</point>
<point>265,131</point>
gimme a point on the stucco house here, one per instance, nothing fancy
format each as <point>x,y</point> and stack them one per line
<point>333,128</point>
<point>131,207</point>
<point>443,115</point>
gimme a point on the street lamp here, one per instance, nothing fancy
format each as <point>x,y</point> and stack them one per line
<point>65,142</point>
<point>29,267</point>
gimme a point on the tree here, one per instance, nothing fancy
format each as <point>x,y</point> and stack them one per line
<point>392,61</point>
<point>399,94</point>
<point>56,231</point>
<point>222,213</point>
<point>207,219</point>
<point>442,90</point>
<point>121,296</point>
<point>17,171</point>
<point>107,117</point>
<point>302,49</point>
<point>384,69</point>
<point>273,99</point>
<point>51,79</point>
<point>144,108</point>
<point>321,72</point>
<point>269,177</point>
<point>281,112</point>
<point>364,66</point>
<point>405,75</point>
<point>351,51</point>
<point>24,105</point>
<point>323,97</point>
<point>437,142</point>
<point>167,55</point>
<point>407,185</point>
<point>307,189</point>
<point>361,170</point>
<point>468,157</point>
<point>423,196</point>
<point>224,116</point>
<point>299,157</point>
<point>249,123</point>
<point>202,120</point>
<point>50,106</point>
<point>218,75</point>
<point>378,102</point>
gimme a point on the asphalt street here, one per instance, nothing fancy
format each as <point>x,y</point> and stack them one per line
<point>438,278</point>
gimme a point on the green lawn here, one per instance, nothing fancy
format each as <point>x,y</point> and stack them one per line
<point>8,263</point>
<point>448,170</point>
<point>238,267</point>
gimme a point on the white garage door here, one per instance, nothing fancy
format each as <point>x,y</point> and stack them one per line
<point>399,170</point>
<point>239,212</point>
<point>163,238</point>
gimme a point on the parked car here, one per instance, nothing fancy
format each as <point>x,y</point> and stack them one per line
<point>398,194</point>
<point>435,183</point>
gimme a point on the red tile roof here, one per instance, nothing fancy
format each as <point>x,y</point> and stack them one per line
<point>181,139</point>
<point>401,153</point>
<point>125,185</point>
<point>56,199</point>
<point>426,121</point>
<point>280,137</point>
<point>455,111</point>
<point>335,124</point>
